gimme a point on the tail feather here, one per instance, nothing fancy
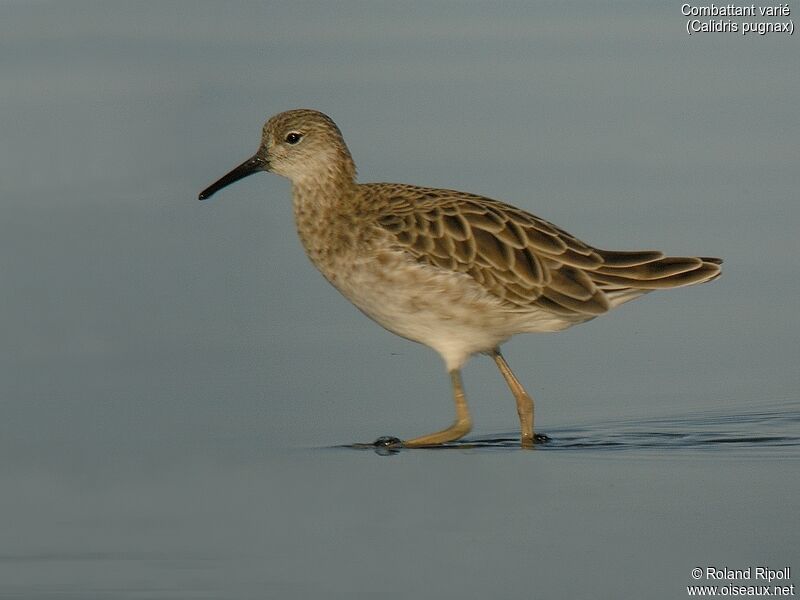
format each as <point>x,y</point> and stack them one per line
<point>629,259</point>
<point>662,268</point>
<point>644,271</point>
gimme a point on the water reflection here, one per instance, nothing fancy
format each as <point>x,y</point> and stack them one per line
<point>775,427</point>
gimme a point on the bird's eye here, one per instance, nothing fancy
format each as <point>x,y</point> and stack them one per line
<point>293,137</point>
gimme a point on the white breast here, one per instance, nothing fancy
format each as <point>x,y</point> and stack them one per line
<point>449,312</point>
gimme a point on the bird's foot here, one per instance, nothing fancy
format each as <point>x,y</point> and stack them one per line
<point>532,442</point>
<point>388,441</point>
<point>387,444</point>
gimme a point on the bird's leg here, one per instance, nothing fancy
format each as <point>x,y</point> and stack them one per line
<point>460,427</point>
<point>524,401</point>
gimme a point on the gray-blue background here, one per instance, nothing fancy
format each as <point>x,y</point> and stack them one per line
<point>173,372</point>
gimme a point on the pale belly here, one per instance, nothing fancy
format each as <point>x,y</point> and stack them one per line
<point>449,312</point>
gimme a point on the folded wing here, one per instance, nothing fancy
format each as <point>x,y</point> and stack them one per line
<point>526,261</point>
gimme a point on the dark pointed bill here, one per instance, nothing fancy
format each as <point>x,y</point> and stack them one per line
<point>252,165</point>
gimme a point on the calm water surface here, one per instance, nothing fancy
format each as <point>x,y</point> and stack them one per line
<point>607,509</point>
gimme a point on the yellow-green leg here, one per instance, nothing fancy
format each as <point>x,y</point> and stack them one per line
<point>524,401</point>
<point>460,427</point>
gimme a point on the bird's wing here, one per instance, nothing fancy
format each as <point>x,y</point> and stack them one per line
<point>519,258</point>
<point>527,261</point>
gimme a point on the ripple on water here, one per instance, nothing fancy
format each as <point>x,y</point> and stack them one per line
<point>776,427</point>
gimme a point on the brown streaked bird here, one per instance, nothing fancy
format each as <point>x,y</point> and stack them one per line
<point>457,272</point>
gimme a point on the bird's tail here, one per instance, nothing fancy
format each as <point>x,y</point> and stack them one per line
<point>624,276</point>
